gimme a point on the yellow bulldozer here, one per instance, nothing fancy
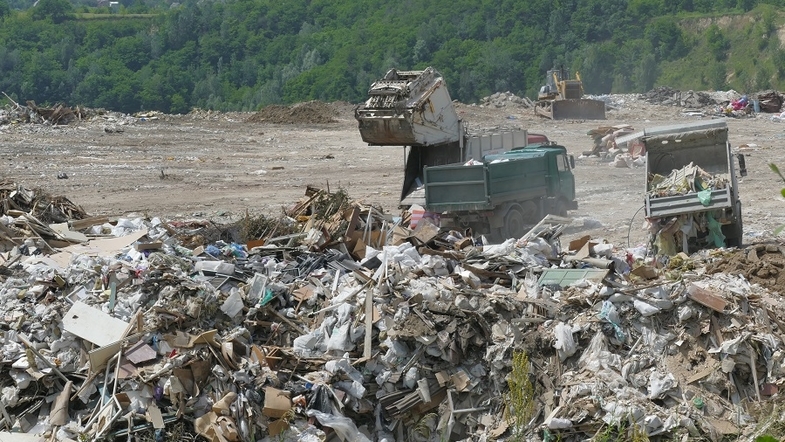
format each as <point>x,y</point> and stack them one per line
<point>562,99</point>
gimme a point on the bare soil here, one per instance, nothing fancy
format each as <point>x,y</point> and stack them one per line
<point>224,165</point>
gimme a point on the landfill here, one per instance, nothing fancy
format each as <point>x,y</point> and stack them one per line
<point>340,322</point>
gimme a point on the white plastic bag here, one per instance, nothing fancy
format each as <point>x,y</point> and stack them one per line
<point>565,344</point>
<point>343,426</point>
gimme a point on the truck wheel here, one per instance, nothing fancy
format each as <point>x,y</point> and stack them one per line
<point>514,223</point>
<point>735,231</point>
<point>561,208</point>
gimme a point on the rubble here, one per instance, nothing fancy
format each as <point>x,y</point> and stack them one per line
<point>668,96</point>
<point>770,101</point>
<point>60,114</point>
<point>506,99</point>
<point>340,320</point>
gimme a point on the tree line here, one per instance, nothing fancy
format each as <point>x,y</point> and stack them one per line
<point>245,54</point>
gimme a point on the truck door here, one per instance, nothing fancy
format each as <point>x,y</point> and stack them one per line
<point>566,178</point>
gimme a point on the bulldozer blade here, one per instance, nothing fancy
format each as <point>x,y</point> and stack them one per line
<point>576,109</point>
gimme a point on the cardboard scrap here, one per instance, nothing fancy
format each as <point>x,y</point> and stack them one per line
<point>98,247</point>
<point>276,402</point>
<point>154,416</point>
<point>140,352</point>
<point>277,427</point>
<point>59,412</point>
<point>461,380</point>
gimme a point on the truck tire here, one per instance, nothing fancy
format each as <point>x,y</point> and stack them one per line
<point>514,223</point>
<point>735,232</point>
<point>561,208</point>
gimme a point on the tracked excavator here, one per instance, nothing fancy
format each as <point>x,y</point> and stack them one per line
<point>562,99</point>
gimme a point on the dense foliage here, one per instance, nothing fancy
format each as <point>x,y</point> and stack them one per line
<point>243,54</point>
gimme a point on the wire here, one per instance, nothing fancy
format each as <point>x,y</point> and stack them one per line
<point>629,228</point>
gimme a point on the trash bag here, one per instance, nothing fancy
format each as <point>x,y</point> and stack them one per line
<point>715,231</point>
<point>704,196</point>
<point>343,426</point>
<point>565,344</point>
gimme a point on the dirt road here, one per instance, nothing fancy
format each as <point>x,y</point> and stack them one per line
<point>220,165</point>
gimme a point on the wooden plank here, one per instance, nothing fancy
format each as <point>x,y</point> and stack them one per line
<point>706,298</point>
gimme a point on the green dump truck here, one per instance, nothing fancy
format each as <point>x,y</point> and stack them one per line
<point>504,194</point>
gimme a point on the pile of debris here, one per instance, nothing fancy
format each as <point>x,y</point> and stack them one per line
<point>14,198</point>
<point>770,101</point>
<point>351,323</point>
<point>311,112</point>
<point>668,96</point>
<point>506,99</point>
<point>60,114</point>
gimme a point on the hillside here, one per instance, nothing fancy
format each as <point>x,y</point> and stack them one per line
<point>244,54</point>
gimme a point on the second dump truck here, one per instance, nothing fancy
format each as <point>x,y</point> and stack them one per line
<point>692,192</point>
<point>504,194</point>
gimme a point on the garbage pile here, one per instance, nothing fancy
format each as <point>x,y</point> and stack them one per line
<point>770,101</point>
<point>506,99</point>
<point>626,154</point>
<point>60,114</point>
<point>339,321</point>
<point>668,96</point>
<point>673,233</point>
<point>688,179</point>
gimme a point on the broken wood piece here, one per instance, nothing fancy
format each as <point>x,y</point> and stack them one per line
<point>701,374</point>
<point>26,341</point>
<point>706,298</point>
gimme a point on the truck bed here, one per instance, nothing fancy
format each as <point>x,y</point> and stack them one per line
<point>457,187</point>
<point>657,207</point>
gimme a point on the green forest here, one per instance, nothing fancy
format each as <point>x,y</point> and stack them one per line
<point>246,54</point>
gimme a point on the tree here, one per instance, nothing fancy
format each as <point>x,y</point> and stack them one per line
<point>56,10</point>
<point>717,42</point>
<point>666,38</point>
<point>646,73</point>
<point>5,9</point>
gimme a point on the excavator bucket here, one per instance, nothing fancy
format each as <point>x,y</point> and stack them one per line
<point>571,109</point>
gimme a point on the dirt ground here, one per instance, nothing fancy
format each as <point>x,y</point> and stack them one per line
<point>222,165</point>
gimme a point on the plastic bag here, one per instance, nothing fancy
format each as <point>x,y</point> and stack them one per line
<point>659,384</point>
<point>715,231</point>
<point>644,308</point>
<point>704,196</point>
<point>343,426</point>
<point>339,340</point>
<point>565,344</point>
<point>609,313</point>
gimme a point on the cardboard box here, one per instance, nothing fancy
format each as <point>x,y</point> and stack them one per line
<point>276,402</point>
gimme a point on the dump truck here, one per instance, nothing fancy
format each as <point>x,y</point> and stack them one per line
<point>692,198</point>
<point>414,109</point>
<point>561,98</point>
<point>503,194</point>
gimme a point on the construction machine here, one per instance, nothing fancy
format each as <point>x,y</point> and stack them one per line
<point>447,167</point>
<point>562,98</point>
<point>413,109</point>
